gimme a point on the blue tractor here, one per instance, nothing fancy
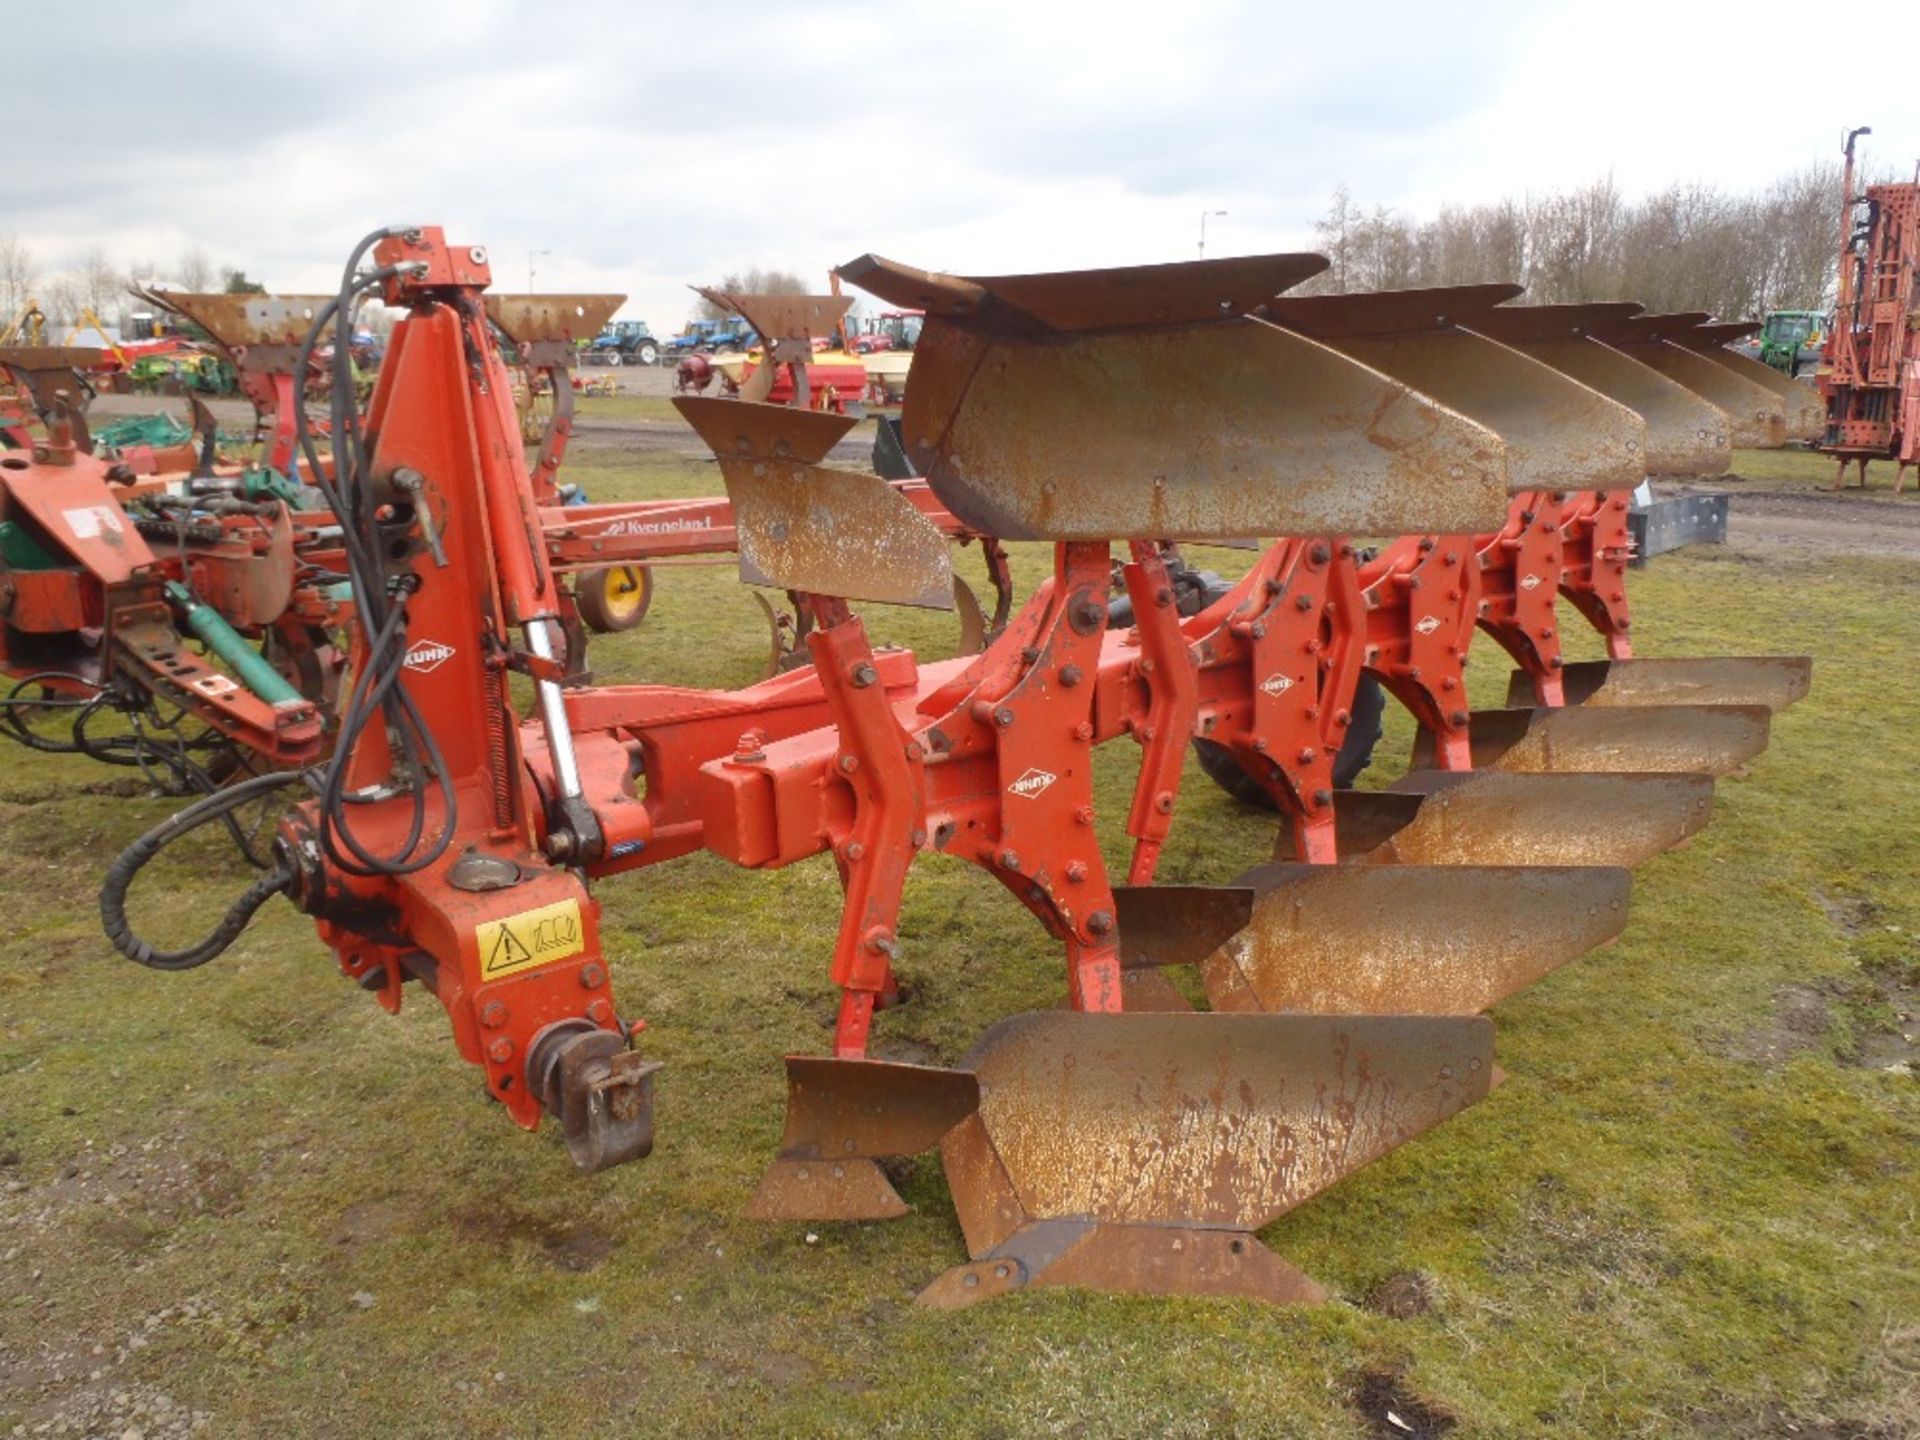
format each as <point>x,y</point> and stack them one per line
<point>624,342</point>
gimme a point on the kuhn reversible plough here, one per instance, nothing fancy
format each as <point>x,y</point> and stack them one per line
<point>1119,1143</point>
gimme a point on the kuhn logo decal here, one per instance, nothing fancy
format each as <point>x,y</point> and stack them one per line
<point>424,656</point>
<point>1428,625</point>
<point>1277,684</point>
<point>1032,783</point>
<point>1529,582</point>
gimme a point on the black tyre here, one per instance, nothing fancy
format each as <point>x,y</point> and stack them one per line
<point>646,353</point>
<point>1356,751</point>
<point>1194,590</point>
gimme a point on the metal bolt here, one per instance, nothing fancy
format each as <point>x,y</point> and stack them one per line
<point>1303,602</point>
<point>592,977</point>
<point>849,763</point>
<point>1083,731</point>
<point>1003,717</point>
<point>1321,552</point>
<point>1163,802</point>
<point>1083,815</point>
<point>1100,922</point>
<point>1260,744</point>
<point>864,675</point>
<point>1322,799</point>
<point>500,1050</point>
<point>1076,872</point>
<point>1010,859</point>
<point>1071,675</point>
<point>854,850</point>
<point>599,1011</point>
<point>493,1014</point>
<point>1307,755</point>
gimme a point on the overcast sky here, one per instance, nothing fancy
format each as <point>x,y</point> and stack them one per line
<point>655,143</point>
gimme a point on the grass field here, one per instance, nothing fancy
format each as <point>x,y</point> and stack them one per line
<point>247,1194</point>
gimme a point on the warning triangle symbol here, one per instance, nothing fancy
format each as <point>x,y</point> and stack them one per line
<point>508,951</point>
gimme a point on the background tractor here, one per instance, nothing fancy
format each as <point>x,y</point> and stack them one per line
<point>1791,340</point>
<point>624,342</point>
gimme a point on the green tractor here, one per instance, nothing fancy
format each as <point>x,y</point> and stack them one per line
<point>1791,339</point>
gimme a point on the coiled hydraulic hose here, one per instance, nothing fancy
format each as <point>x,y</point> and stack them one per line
<point>120,877</point>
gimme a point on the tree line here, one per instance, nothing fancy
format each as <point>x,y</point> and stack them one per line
<point>1690,246</point>
<point>98,285</point>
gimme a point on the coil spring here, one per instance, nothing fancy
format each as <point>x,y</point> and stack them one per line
<point>497,757</point>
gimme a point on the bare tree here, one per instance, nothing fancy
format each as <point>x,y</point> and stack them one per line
<point>1335,231</point>
<point>100,283</point>
<point>195,269</point>
<point>62,298</point>
<point>1688,247</point>
<point>754,282</point>
<point>18,275</point>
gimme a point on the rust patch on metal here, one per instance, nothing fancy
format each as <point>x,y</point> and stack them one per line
<point>1212,1121</point>
<point>1494,817</point>
<point>841,1116</point>
<point>1189,432</point>
<point>528,319</point>
<point>1559,433</point>
<point>1708,739</point>
<point>806,527</point>
<point>1756,416</point>
<point>1072,301</point>
<point>1410,939</point>
<point>239,321</point>
<point>1773,681</point>
<point>1686,435</point>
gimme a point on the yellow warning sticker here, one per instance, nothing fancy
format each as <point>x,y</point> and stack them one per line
<point>533,937</point>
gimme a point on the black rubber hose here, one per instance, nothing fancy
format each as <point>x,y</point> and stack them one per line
<point>120,876</point>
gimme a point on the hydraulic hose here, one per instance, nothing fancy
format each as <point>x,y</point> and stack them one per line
<point>120,877</point>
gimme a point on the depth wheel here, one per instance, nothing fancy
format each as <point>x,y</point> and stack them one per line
<point>614,599</point>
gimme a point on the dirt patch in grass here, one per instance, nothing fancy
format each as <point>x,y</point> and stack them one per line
<point>576,1247</point>
<point>1868,1023</point>
<point>1403,1295</point>
<point>1393,1411</point>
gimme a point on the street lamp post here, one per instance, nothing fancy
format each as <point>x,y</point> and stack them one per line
<point>1203,229</point>
<point>530,255</point>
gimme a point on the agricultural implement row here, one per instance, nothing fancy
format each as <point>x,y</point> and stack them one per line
<point>1124,1142</point>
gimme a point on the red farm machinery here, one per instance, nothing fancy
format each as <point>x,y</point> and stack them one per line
<point>1871,374</point>
<point>1129,1141</point>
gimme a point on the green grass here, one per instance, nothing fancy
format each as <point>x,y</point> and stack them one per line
<point>625,407</point>
<point>1794,469</point>
<point>313,1224</point>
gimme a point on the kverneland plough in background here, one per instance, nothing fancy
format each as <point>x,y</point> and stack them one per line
<point>1110,1144</point>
